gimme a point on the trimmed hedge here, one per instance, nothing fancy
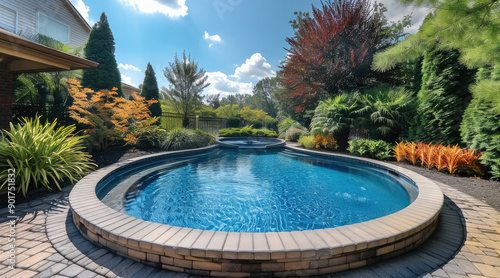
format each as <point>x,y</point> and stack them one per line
<point>247,132</point>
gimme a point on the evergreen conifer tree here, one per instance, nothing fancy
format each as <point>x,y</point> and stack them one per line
<point>443,97</point>
<point>100,48</point>
<point>186,84</point>
<point>150,91</point>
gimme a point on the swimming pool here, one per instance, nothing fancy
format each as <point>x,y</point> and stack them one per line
<point>256,191</point>
<point>286,253</point>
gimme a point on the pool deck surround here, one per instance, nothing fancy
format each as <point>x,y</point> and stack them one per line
<point>223,254</point>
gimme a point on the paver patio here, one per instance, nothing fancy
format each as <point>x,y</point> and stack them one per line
<point>465,244</point>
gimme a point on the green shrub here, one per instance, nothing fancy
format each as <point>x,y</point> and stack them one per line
<point>480,128</point>
<point>181,139</point>
<point>285,125</point>
<point>247,132</point>
<point>234,122</point>
<point>288,124</point>
<point>370,148</point>
<point>42,154</point>
<point>293,134</point>
<point>307,142</point>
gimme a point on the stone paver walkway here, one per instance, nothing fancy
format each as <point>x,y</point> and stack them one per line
<point>466,244</point>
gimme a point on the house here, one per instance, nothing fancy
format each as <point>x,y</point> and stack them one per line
<point>128,90</point>
<point>58,19</point>
<point>55,18</point>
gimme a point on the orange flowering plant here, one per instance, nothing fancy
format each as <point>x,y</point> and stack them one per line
<point>108,117</point>
<point>325,142</point>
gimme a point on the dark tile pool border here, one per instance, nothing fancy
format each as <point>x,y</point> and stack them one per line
<point>228,254</point>
<point>279,143</point>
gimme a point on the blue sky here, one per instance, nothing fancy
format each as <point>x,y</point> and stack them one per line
<point>237,42</point>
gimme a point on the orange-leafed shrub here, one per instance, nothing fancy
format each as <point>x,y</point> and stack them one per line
<point>439,160</point>
<point>451,158</point>
<point>412,153</point>
<point>470,160</point>
<point>427,154</point>
<point>400,151</point>
<point>108,117</point>
<point>325,142</point>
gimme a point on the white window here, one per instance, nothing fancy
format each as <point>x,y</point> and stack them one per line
<point>8,19</point>
<point>53,28</point>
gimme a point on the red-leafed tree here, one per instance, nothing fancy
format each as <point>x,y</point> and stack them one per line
<point>332,51</point>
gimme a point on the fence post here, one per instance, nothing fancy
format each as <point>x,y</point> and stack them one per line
<point>197,121</point>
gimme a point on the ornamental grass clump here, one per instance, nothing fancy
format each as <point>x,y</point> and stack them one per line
<point>42,154</point>
<point>181,139</point>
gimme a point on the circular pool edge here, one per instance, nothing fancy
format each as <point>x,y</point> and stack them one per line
<point>278,143</point>
<point>298,253</point>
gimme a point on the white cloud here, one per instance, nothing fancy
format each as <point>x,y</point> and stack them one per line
<point>171,8</point>
<point>213,38</point>
<point>128,80</point>
<point>128,67</point>
<point>82,9</point>
<point>254,68</point>
<point>397,11</point>
<point>221,83</point>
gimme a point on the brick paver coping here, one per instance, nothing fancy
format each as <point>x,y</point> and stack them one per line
<point>297,253</point>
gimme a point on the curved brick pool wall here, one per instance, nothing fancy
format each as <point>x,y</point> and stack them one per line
<point>226,254</point>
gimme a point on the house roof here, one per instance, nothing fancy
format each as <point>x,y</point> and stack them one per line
<point>77,14</point>
<point>129,87</point>
<point>22,55</point>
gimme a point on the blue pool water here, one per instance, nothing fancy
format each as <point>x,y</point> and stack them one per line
<point>262,191</point>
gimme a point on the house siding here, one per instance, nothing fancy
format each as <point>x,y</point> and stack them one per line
<point>27,17</point>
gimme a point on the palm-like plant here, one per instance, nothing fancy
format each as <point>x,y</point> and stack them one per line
<point>386,110</point>
<point>336,116</point>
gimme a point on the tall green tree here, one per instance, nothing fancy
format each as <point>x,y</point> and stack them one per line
<point>480,128</point>
<point>186,84</point>
<point>100,48</point>
<point>469,26</point>
<point>213,100</point>
<point>240,99</point>
<point>150,91</point>
<point>264,96</point>
<point>443,97</point>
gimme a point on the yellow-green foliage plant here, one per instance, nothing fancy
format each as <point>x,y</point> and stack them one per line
<point>42,154</point>
<point>307,142</point>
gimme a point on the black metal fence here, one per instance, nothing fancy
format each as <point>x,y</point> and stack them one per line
<point>359,133</point>
<point>209,125</point>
